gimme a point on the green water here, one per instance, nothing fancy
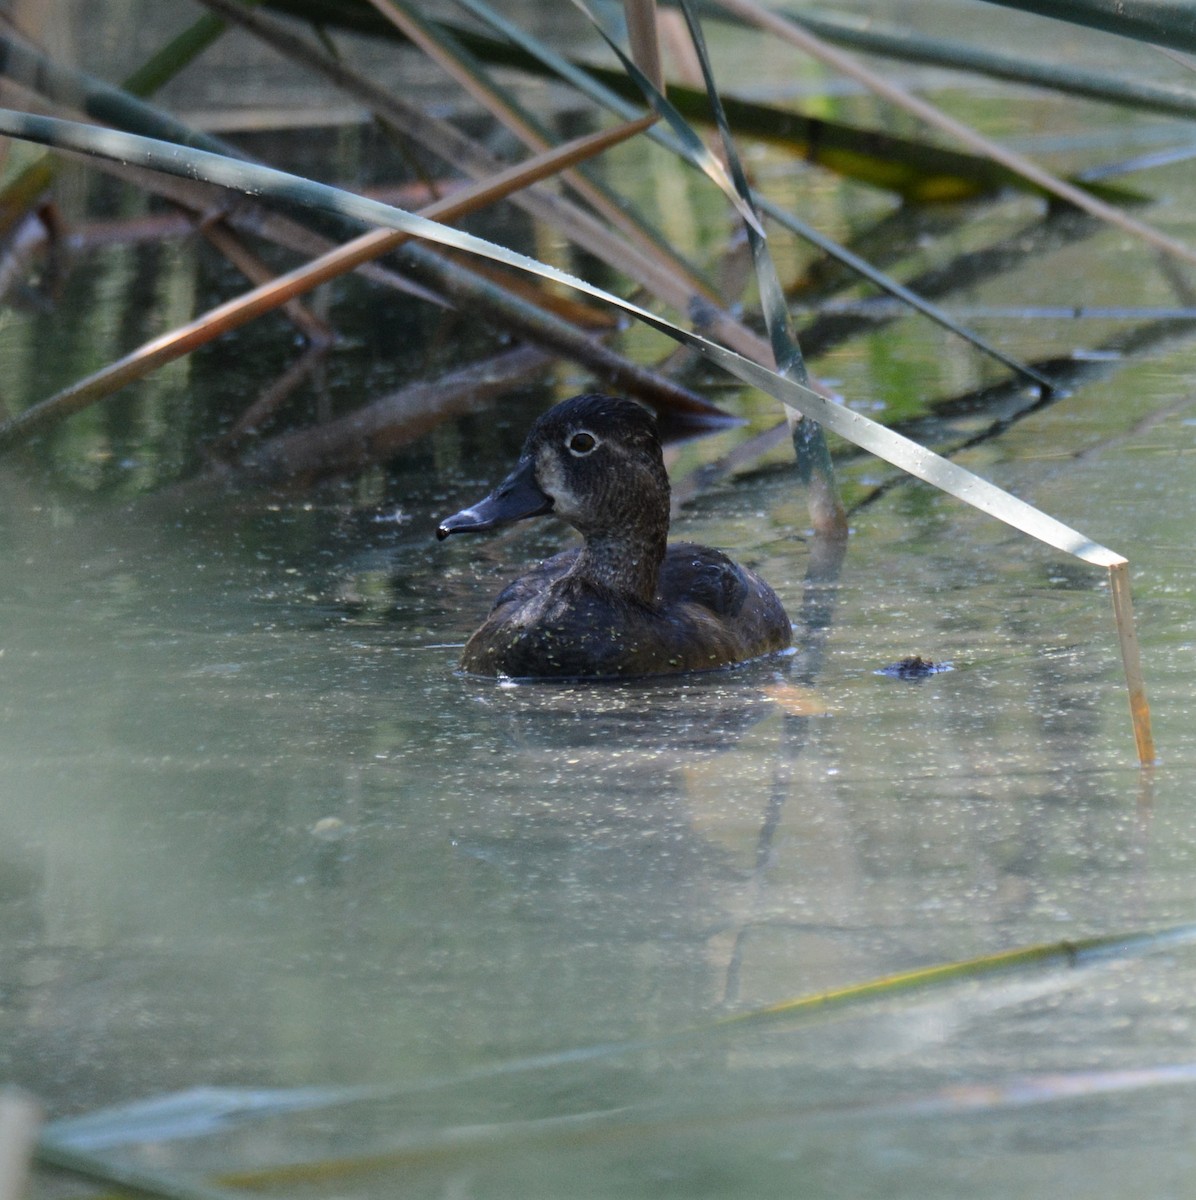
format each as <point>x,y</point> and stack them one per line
<point>257,833</point>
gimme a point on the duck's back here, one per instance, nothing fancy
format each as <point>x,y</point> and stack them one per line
<point>709,612</point>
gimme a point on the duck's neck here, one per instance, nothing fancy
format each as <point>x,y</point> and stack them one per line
<point>623,563</point>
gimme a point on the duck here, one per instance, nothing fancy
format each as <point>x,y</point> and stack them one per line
<point>626,603</point>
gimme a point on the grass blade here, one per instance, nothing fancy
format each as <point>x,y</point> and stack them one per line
<point>772,299</point>
<point>452,57</point>
<point>1046,955</point>
<point>174,56</point>
<point>78,91</point>
<point>449,144</point>
<point>809,442</point>
<point>648,1118</point>
<point>918,170</point>
<point>694,149</point>
<point>907,296</point>
<point>99,100</point>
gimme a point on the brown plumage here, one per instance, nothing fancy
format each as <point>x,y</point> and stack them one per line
<point>624,603</point>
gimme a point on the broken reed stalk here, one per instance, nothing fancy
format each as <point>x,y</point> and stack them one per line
<point>275,292</point>
<point>1123,614</point>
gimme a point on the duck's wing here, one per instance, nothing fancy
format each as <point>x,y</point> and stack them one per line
<point>702,575</point>
<point>731,604</point>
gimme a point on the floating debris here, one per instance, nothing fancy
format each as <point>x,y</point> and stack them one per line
<point>914,667</point>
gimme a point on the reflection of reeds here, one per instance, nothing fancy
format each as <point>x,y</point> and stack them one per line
<point>672,1057</point>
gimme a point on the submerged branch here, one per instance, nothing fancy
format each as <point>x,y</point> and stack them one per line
<point>373,433</point>
<point>317,331</point>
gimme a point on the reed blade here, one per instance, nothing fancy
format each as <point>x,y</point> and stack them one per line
<point>920,171</point>
<point>814,465</point>
<point>1169,23</point>
<point>281,290</point>
<point>456,60</point>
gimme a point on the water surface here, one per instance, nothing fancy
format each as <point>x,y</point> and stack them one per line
<point>257,832</point>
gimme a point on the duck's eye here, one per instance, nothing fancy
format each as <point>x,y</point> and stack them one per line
<point>582,443</point>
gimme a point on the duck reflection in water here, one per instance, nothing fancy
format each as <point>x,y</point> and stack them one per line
<point>625,603</point>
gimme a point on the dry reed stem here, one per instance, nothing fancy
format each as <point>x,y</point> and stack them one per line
<point>451,145</point>
<point>643,38</point>
<point>1123,613</point>
<point>448,285</point>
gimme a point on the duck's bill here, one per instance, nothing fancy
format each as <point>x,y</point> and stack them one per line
<point>517,497</point>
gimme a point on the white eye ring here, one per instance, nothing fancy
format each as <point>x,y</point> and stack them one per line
<point>581,443</point>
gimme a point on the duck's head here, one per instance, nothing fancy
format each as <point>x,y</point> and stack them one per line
<point>594,461</point>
